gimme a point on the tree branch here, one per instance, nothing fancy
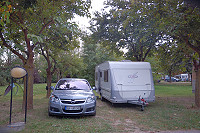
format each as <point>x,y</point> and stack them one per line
<point>50,22</point>
<point>11,18</point>
<point>141,51</point>
<point>186,39</point>
<point>11,49</point>
<point>197,49</point>
<point>29,48</point>
<point>24,29</point>
<point>134,52</point>
<point>54,68</point>
<point>42,51</point>
<point>33,46</point>
<point>145,55</point>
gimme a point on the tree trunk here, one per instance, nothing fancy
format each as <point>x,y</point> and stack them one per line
<point>197,87</point>
<point>49,77</point>
<point>170,76</point>
<point>58,75</point>
<point>29,66</point>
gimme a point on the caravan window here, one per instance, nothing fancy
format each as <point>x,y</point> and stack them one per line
<point>100,74</point>
<point>96,76</point>
<point>106,76</point>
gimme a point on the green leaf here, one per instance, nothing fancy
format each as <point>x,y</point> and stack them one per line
<point>35,38</point>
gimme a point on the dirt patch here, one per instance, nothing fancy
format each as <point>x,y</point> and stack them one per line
<point>118,116</point>
<point>14,127</point>
<point>99,103</point>
<point>116,123</point>
<point>128,121</point>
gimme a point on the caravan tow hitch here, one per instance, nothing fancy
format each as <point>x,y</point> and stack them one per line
<point>142,103</point>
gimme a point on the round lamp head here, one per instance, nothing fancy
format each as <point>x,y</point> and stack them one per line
<point>18,72</point>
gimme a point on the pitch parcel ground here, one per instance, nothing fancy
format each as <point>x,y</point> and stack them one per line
<point>174,109</point>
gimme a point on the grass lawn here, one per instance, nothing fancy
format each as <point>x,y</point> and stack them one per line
<point>173,110</point>
<point>174,89</point>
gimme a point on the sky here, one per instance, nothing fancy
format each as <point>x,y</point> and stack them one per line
<point>83,22</point>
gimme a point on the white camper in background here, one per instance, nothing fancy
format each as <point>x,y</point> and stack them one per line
<point>125,82</point>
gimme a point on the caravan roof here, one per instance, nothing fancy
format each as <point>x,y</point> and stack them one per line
<point>118,64</point>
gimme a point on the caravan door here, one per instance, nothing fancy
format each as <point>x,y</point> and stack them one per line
<point>133,83</point>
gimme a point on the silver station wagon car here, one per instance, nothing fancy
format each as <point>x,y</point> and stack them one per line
<point>72,96</point>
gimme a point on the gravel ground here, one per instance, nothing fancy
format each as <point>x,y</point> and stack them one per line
<point>182,131</point>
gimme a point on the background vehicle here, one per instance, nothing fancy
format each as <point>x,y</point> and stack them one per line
<point>167,79</point>
<point>72,97</point>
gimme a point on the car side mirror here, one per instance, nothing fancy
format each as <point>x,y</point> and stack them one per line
<point>51,87</point>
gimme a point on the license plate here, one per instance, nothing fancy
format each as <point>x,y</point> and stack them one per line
<point>72,108</point>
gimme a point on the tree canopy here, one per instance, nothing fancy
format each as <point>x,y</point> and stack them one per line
<point>128,24</point>
<point>22,19</point>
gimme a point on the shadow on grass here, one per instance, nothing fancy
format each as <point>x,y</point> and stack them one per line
<point>71,116</point>
<point>125,105</point>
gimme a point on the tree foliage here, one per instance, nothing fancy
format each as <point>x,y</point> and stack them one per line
<point>182,23</point>
<point>60,37</point>
<point>130,25</point>
<point>32,18</point>
<point>6,61</point>
<point>70,64</point>
<point>170,57</point>
<point>94,54</point>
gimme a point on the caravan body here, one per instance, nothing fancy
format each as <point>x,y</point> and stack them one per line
<point>125,82</point>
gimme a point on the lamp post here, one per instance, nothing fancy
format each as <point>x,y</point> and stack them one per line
<point>18,72</point>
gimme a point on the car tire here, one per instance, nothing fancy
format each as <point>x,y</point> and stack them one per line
<point>94,114</point>
<point>49,114</point>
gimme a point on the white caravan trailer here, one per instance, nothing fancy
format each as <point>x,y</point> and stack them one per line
<point>125,82</point>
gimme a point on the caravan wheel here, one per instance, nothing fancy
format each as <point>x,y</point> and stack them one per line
<point>102,98</point>
<point>142,107</point>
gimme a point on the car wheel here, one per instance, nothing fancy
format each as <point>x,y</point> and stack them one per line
<point>49,114</point>
<point>94,114</point>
